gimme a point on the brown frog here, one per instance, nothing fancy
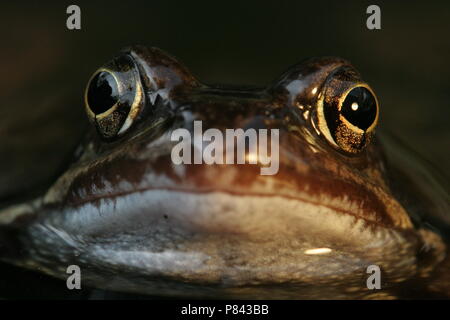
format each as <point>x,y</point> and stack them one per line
<point>343,201</point>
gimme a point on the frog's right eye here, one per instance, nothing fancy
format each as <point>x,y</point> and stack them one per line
<point>347,111</point>
<point>114,98</point>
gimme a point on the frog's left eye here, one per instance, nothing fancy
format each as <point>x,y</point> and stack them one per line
<point>102,92</point>
<point>114,98</point>
<point>347,115</point>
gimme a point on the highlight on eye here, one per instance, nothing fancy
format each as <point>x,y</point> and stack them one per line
<point>347,118</point>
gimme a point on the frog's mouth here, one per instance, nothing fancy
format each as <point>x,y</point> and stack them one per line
<point>218,236</point>
<point>223,225</point>
<point>113,180</point>
<point>122,195</point>
<point>213,237</point>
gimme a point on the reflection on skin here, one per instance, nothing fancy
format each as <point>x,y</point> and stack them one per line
<point>318,251</point>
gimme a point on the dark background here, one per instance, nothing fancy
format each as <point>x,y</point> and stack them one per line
<point>45,67</point>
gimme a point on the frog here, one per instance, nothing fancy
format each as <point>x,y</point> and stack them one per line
<point>346,199</point>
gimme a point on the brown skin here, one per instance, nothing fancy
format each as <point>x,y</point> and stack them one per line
<point>136,222</point>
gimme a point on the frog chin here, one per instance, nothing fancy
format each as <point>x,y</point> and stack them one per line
<point>219,239</point>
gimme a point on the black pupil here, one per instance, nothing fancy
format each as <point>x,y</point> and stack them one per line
<point>360,108</point>
<point>102,93</point>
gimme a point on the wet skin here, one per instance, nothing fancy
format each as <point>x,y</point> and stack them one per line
<point>134,221</point>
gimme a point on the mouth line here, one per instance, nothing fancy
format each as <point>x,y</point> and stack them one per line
<point>94,200</point>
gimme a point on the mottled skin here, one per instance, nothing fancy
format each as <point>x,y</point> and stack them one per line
<point>133,221</point>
